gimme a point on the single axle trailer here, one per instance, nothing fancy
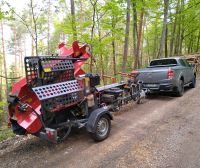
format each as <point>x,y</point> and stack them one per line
<point>57,94</point>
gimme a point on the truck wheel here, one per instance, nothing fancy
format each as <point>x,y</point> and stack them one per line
<point>180,89</point>
<point>102,128</point>
<point>193,84</point>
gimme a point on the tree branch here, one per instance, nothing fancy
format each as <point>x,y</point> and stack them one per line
<point>10,78</point>
<point>25,24</point>
<point>35,27</point>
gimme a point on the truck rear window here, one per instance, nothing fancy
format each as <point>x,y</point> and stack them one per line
<point>163,62</point>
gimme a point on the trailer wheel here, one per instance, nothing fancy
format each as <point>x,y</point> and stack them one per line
<point>102,128</point>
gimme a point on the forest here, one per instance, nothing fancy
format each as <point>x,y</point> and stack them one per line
<point>123,34</point>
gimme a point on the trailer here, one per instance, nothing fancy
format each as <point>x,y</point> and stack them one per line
<point>57,94</point>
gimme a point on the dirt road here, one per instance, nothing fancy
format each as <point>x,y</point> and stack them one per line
<point>162,132</point>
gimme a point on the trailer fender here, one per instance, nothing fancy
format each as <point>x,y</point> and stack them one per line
<point>94,117</point>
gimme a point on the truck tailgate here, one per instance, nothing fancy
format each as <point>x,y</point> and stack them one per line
<point>153,75</point>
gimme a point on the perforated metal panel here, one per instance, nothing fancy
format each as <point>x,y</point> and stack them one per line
<point>56,65</point>
<point>55,90</point>
<point>48,70</point>
<point>62,102</point>
<point>31,68</point>
<point>56,77</point>
<point>58,96</point>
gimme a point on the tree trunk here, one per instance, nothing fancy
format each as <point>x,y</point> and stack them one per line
<point>113,47</point>
<point>24,54</point>
<point>92,30</point>
<point>139,39</point>
<point>21,63</point>
<point>177,44</point>
<point>181,41</point>
<point>15,47</point>
<point>162,41</point>
<point>114,58</point>
<point>48,28</point>
<point>125,55</point>
<point>73,20</point>
<point>1,80</point>
<point>148,51</point>
<point>134,34</point>
<point>192,43</point>
<point>180,8</point>
<point>155,40</point>
<point>174,31</point>
<point>182,28</point>
<point>101,54</point>
<point>32,47</point>
<point>171,45</point>
<point>142,40</point>
<point>4,58</point>
<point>166,47</point>
<point>35,28</point>
<point>82,16</point>
<point>198,42</point>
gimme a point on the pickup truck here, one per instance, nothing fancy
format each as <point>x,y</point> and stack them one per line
<point>168,74</point>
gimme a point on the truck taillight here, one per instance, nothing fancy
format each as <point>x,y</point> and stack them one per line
<point>170,73</point>
<point>135,73</point>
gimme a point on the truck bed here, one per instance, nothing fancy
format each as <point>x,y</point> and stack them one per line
<point>153,75</point>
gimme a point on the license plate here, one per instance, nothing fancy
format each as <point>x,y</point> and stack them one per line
<point>151,85</point>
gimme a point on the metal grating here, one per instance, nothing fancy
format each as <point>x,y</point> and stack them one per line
<point>58,103</point>
<point>48,70</point>
<point>58,96</point>
<point>56,65</point>
<point>32,68</point>
<point>55,90</point>
<point>56,77</point>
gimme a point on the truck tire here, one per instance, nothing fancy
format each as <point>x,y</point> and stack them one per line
<point>102,128</point>
<point>180,88</point>
<point>193,84</point>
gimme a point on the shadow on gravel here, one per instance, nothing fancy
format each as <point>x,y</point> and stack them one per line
<point>34,145</point>
<point>165,96</point>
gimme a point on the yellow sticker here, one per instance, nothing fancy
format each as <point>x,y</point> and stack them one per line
<point>47,69</point>
<point>29,100</point>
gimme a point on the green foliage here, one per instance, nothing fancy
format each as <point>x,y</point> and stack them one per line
<point>2,105</point>
<point>12,74</point>
<point>5,133</point>
<point>6,11</point>
<point>2,112</point>
<point>42,49</point>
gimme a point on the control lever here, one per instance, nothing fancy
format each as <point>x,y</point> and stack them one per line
<point>23,106</point>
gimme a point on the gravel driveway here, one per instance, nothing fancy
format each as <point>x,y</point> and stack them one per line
<point>162,132</point>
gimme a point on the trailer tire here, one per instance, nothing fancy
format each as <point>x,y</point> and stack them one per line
<point>102,128</point>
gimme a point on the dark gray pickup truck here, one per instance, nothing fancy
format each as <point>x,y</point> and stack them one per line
<point>168,74</point>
